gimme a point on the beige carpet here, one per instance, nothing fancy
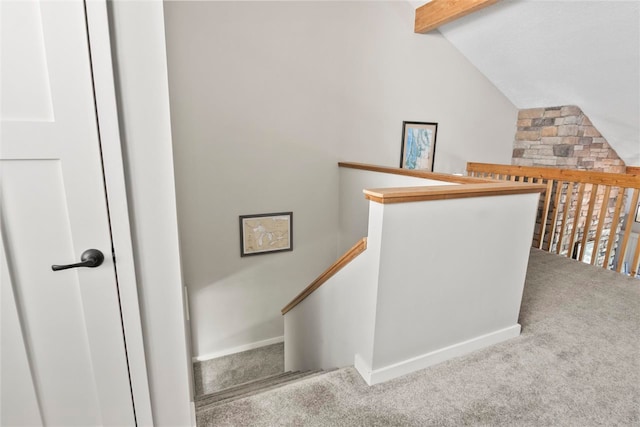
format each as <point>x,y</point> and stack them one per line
<point>576,363</point>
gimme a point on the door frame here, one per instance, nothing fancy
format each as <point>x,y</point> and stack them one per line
<point>115,186</point>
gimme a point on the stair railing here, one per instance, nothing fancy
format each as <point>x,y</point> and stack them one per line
<point>338,265</point>
<point>436,245</point>
<point>580,212</point>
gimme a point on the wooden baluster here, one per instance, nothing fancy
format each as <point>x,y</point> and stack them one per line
<point>513,178</point>
<point>556,211</point>
<point>627,232</point>
<point>604,209</point>
<point>567,208</point>
<point>636,257</point>
<point>576,219</point>
<point>614,226</point>
<point>545,210</point>
<point>587,223</point>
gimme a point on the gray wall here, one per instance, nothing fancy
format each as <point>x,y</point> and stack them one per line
<point>266,97</point>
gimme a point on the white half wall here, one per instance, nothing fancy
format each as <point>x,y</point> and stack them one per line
<point>439,279</point>
<point>326,330</point>
<point>137,29</point>
<point>266,98</point>
<point>450,271</point>
<point>354,208</point>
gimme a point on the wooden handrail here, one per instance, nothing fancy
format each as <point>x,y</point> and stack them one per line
<point>587,177</point>
<point>345,259</point>
<point>470,187</point>
<point>458,179</point>
<point>446,192</point>
<point>574,202</point>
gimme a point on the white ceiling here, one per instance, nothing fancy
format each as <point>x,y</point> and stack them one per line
<point>543,53</point>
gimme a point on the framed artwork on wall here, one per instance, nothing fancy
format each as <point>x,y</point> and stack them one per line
<point>266,233</point>
<point>638,213</point>
<point>418,145</point>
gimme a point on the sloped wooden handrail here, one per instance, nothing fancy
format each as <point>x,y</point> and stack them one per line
<point>598,197</point>
<point>345,259</point>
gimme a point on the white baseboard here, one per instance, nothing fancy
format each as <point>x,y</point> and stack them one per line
<point>423,361</point>
<point>238,349</point>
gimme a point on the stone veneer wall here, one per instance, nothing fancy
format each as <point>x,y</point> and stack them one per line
<point>564,137</point>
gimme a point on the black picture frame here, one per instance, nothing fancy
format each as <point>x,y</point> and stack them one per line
<point>418,148</point>
<point>266,233</point>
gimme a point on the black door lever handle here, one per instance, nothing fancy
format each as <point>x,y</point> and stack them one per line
<point>90,258</point>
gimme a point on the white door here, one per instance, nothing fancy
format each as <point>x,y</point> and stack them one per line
<point>63,360</point>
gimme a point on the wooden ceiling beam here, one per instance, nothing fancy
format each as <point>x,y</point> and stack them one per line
<point>439,12</point>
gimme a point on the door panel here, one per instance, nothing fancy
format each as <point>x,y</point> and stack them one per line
<point>20,403</point>
<point>28,97</point>
<point>49,303</point>
<point>53,207</point>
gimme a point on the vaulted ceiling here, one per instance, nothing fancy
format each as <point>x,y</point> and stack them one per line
<point>543,53</point>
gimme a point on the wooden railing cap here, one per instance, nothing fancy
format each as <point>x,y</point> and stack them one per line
<point>446,192</point>
<point>436,176</point>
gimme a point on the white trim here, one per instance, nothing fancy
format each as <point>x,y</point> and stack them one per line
<point>109,130</point>
<point>363,368</point>
<point>423,361</point>
<point>193,414</point>
<point>234,350</point>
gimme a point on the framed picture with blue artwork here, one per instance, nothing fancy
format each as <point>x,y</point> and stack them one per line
<point>418,145</point>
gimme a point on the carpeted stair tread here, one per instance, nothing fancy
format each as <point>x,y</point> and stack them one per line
<point>243,386</point>
<point>293,379</point>
<point>251,388</point>
<point>299,378</point>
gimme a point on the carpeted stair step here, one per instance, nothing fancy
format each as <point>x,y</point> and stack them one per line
<point>250,388</point>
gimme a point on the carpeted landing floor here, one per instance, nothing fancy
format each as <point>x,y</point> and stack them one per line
<point>576,363</point>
